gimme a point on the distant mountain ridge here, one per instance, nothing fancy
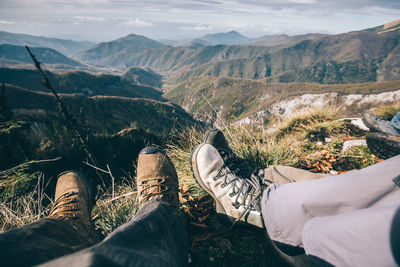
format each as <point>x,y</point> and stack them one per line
<point>18,55</point>
<point>222,38</point>
<point>283,39</point>
<point>345,58</point>
<point>131,44</point>
<point>79,82</point>
<point>362,56</point>
<point>226,38</point>
<point>66,47</point>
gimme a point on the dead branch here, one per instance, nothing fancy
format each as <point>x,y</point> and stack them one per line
<point>116,198</point>
<point>107,172</point>
<point>65,110</point>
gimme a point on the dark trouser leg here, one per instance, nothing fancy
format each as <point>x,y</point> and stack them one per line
<point>42,241</point>
<point>156,236</point>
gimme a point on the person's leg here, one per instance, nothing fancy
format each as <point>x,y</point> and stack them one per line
<point>286,208</point>
<point>283,174</point>
<point>156,235</point>
<point>366,237</point>
<point>67,229</point>
<point>395,122</point>
<point>42,241</point>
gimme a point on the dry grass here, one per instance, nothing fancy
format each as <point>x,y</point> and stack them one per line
<point>180,153</point>
<point>28,208</point>
<point>301,121</point>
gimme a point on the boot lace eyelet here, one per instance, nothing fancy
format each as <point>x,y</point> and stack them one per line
<point>236,205</point>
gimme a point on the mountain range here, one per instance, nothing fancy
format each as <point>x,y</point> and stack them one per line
<point>66,47</point>
<point>224,38</point>
<point>17,55</point>
<point>102,53</point>
<point>362,56</point>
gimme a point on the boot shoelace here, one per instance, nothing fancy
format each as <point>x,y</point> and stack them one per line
<point>240,166</point>
<point>250,190</point>
<point>66,206</point>
<point>146,193</point>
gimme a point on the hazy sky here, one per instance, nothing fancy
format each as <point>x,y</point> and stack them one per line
<point>103,20</point>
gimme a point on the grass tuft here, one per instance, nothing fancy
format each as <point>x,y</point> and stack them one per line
<point>387,112</point>
<point>25,208</point>
<point>110,213</point>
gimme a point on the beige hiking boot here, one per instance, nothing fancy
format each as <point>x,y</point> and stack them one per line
<point>237,199</point>
<point>72,199</point>
<point>156,178</point>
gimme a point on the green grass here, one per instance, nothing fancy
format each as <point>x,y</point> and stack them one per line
<point>109,213</point>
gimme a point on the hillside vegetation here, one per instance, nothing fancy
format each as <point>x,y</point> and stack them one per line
<point>17,55</point>
<point>143,76</point>
<point>79,82</point>
<point>236,98</point>
<point>101,114</point>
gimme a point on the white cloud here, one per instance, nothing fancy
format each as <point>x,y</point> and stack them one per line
<point>137,23</point>
<point>6,22</point>
<point>88,19</point>
<point>200,27</point>
<point>303,1</point>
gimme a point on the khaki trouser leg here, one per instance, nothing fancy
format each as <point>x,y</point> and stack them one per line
<point>278,174</point>
<point>322,215</point>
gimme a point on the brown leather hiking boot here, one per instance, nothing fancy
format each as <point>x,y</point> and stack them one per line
<point>156,177</point>
<point>72,199</point>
